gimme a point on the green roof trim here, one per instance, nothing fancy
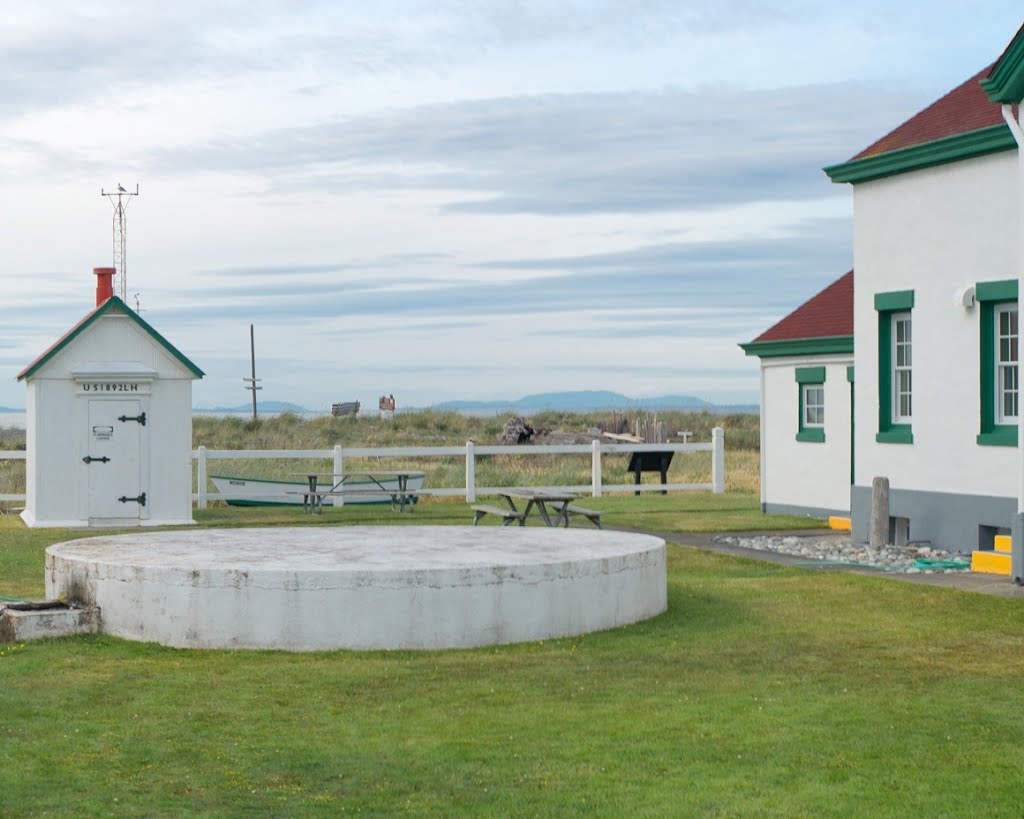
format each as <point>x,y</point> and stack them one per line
<point>107,306</point>
<point>799,346</point>
<point>1005,83</point>
<point>981,142</point>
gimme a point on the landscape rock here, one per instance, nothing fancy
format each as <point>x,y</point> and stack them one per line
<point>840,549</point>
<point>516,431</point>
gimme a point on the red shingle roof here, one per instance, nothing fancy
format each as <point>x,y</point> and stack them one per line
<point>965,108</point>
<point>830,313</point>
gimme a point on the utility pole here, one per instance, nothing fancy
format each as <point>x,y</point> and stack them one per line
<point>252,379</point>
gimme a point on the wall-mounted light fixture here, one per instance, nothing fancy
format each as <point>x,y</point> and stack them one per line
<point>964,297</point>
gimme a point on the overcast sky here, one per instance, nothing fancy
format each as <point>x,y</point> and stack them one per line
<point>454,198</point>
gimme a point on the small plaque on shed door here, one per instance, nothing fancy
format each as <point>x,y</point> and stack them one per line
<point>102,433</point>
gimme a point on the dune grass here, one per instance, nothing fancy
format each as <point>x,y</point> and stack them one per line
<point>763,691</point>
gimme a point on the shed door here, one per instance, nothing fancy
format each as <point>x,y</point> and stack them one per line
<point>115,433</point>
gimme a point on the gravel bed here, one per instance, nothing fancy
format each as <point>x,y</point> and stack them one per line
<point>911,559</point>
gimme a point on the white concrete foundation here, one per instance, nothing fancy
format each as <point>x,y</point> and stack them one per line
<point>361,587</point>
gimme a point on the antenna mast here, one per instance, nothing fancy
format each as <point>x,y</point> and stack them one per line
<point>120,199</point>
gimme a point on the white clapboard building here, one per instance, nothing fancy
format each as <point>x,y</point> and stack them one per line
<point>109,423</point>
<point>806,421</point>
<point>938,255</point>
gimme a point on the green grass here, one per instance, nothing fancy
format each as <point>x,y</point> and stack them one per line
<point>763,691</point>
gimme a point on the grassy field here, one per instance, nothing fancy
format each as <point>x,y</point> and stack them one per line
<point>763,691</point>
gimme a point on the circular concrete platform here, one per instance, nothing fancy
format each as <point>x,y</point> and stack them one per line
<point>361,587</point>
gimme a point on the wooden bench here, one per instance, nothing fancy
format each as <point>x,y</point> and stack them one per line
<point>593,515</point>
<point>507,515</point>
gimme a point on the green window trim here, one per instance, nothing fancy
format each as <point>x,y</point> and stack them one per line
<point>895,301</point>
<point>808,376</point>
<point>989,294</point>
<point>849,373</point>
<point>1005,290</point>
<point>998,435</point>
<point>887,304</point>
<point>896,434</point>
<point>813,435</point>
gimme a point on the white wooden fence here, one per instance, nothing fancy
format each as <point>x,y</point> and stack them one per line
<point>469,452</point>
<point>12,455</point>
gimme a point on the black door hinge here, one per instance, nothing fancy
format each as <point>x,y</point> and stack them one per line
<point>141,418</point>
<point>141,499</point>
<point>89,459</point>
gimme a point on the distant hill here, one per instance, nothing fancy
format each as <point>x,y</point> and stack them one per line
<point>12,409</point>
<point>591,400</point>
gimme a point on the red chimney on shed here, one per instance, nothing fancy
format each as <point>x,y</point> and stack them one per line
<point>104,283</point>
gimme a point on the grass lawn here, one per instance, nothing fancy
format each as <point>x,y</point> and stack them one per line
<point>763,691</point>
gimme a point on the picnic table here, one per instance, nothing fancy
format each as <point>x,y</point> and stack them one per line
<point>393,484</point>
<point>553,508</point>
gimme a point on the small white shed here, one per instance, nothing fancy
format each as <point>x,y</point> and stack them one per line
<point>109,423</point>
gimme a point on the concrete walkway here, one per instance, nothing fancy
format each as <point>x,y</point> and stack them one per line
<point>964,581</point>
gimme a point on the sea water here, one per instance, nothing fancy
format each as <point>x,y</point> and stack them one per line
<point>12,419</point>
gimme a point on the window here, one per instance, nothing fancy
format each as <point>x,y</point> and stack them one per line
<point>811,421</point>
<point>999,374</point>
<point>814,405</point>
<point>902,358</point>
<point>1006,363</point>
<point>895,367</point>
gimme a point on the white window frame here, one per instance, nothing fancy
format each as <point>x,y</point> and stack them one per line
<point>902,368</point>
<point>1007,378</point>
<point>808,405</point>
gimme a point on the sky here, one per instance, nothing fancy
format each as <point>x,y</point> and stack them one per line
<point>453,199</point>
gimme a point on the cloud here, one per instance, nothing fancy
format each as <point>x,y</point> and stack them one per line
<point>715,274</point>
<point>569,154</point>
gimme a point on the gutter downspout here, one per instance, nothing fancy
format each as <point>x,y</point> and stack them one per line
<point>1017,555</point>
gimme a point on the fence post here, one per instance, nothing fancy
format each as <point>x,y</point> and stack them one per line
<point>470,473</point>
<point>201,476</point>
<point>595,470</point>
<point>718,460</point>
<point>338,470</point>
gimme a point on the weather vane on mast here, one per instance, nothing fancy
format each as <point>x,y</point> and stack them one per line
<point>120,199</point>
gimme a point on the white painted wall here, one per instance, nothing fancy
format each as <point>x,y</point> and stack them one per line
<point>934,231</point>
<point>804,473</point>
<point>57,426</point>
